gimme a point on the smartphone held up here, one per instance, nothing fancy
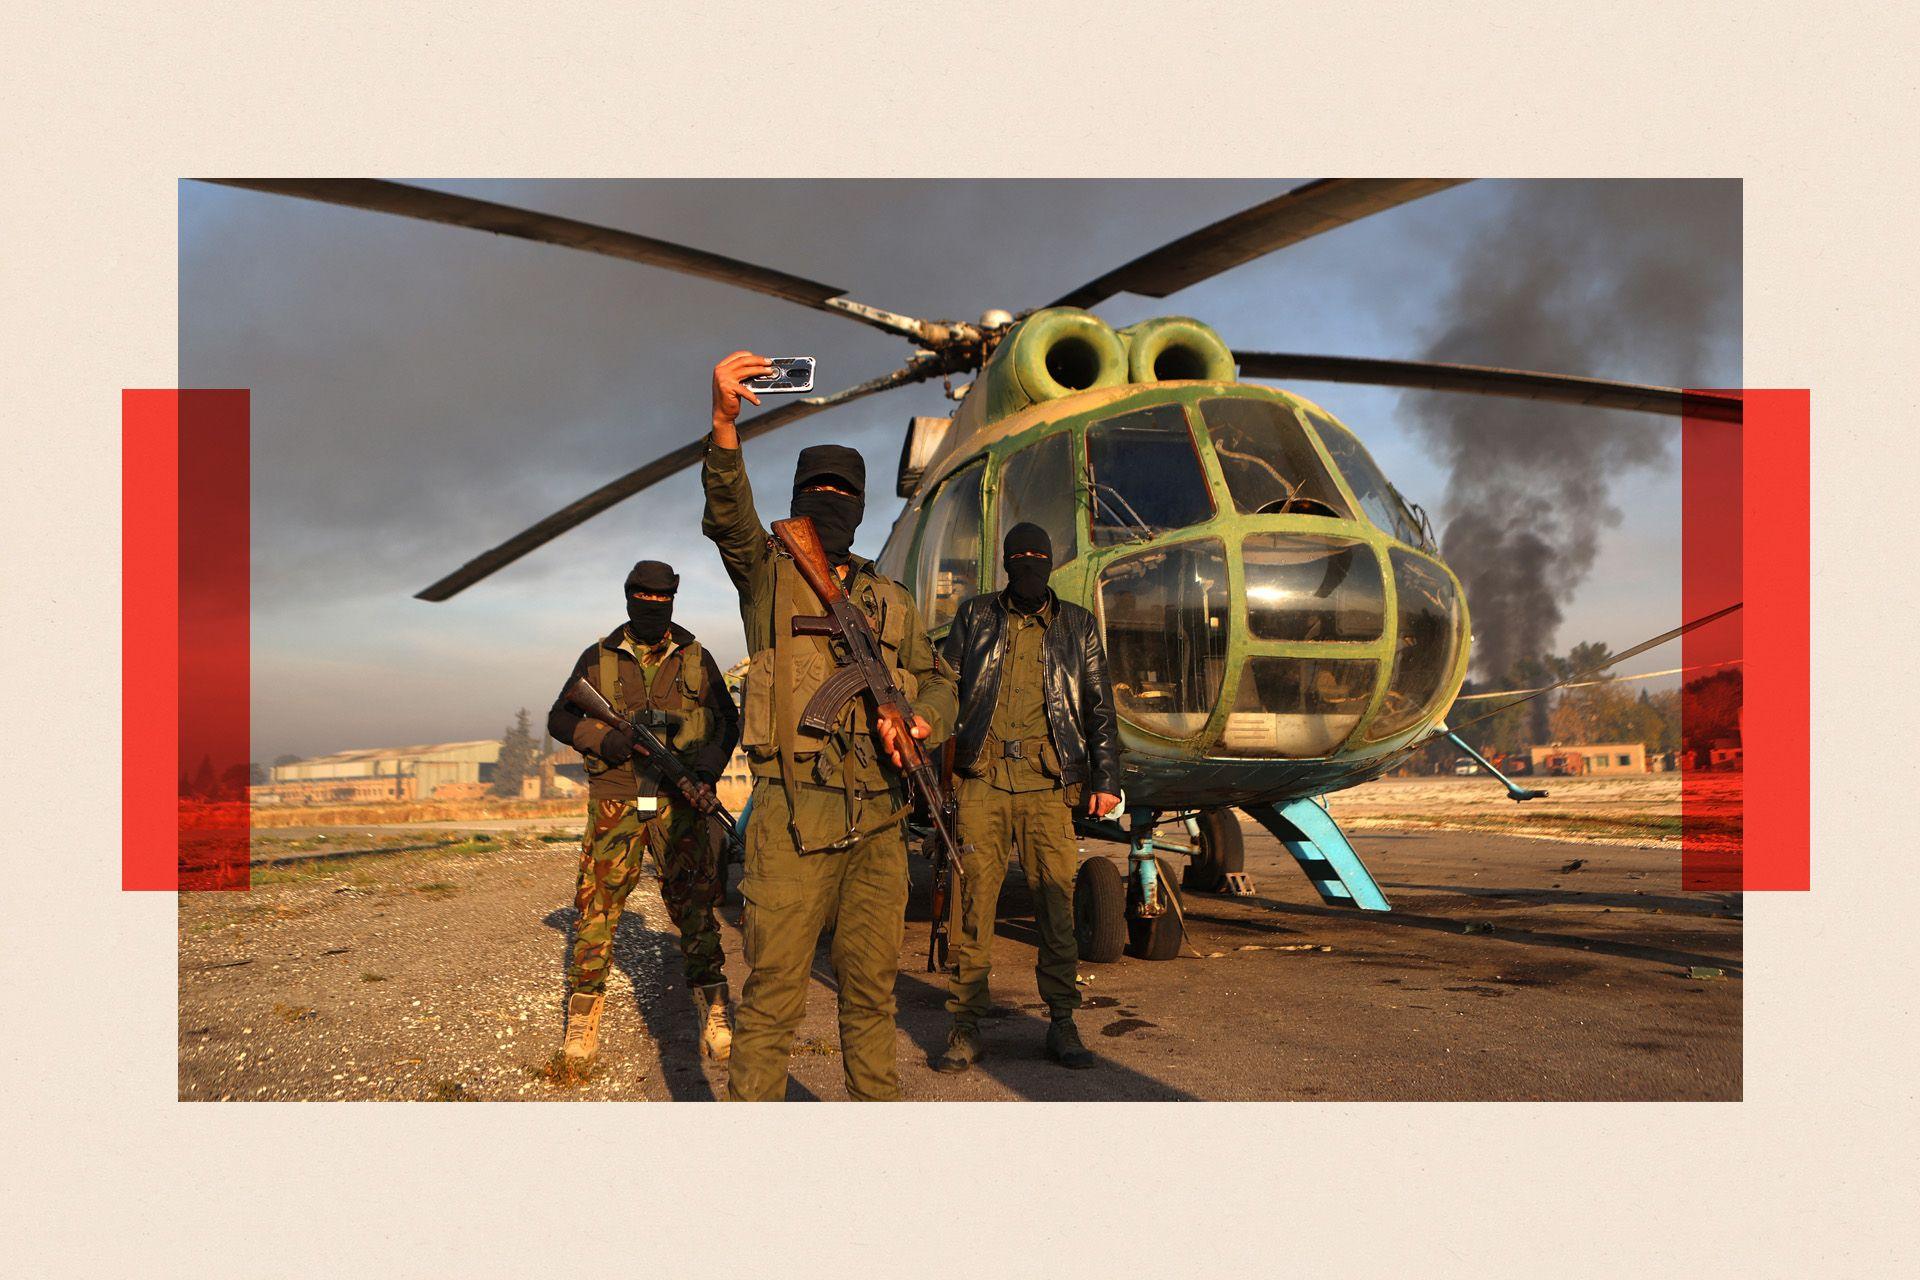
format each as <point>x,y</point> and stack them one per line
<point>790,374</point>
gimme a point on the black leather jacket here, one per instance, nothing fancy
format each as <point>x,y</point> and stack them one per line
<point>1080,713</point>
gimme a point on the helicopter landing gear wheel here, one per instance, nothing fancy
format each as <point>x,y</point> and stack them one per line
<point>1219,850</point>
<point>1099,911</point>
<point>1158,937</point>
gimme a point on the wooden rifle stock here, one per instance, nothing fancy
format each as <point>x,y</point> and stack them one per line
<point>802,542</point>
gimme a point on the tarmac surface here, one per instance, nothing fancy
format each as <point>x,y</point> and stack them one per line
<point>421,963</point>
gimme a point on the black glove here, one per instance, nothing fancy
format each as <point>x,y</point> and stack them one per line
<point>616,748</point>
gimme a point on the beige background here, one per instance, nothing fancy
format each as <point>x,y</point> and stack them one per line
<point>106,1174</point>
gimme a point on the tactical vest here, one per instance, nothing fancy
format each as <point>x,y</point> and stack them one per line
<point>782,679</point>
<point>678,686</point>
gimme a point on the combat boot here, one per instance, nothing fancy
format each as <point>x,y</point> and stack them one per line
<point>715,1004</point>
<point>1063,1044</point>
<point>963,1050</point>
<point>583,1029</point>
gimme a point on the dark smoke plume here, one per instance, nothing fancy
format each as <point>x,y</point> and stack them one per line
<point>1637,280</point>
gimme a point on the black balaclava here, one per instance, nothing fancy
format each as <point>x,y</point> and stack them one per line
<point>835,516</point>
<point>648,619</point>
<point>1028,556</point>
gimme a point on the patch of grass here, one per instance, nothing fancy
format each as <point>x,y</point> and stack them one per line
<point>437,889</point>
<point>817,1048</point>
<point>373,977</point>
<point>448,1091</point>
<point>295,1013</point>
<point>559,839</point>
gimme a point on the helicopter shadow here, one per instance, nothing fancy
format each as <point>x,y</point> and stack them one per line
<point>1016,1040</point>
<point>1710,906</point>
<point>1016,1052</point>
<point>1497,933</point>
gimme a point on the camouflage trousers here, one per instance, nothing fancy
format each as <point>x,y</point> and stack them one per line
<point>689,859</point>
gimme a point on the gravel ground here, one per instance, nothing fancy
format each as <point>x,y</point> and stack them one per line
<point>426,964</point>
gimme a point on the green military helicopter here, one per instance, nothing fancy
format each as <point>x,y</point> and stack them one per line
<point>1278,619</point>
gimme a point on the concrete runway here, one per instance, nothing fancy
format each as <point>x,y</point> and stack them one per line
<point>1576,989</point>
<point>422,966</point>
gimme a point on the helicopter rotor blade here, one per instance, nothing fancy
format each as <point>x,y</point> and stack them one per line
<point>1293,216</point>
<point>378,196</point>
<point>618,490</point>
<point>1523,384</point>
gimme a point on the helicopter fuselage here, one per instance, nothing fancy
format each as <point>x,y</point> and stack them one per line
<point>1277,622</point>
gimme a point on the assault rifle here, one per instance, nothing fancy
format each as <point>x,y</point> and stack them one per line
<point>862,669</point>
<point>587,700</point>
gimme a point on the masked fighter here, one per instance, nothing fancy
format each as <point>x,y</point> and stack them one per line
<point>1037,739</point>
<point>825,841</point>
<point>656,674</point>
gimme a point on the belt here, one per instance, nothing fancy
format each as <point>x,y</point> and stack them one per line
<point>1016,748</point>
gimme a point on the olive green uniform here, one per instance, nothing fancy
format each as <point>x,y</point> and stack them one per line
<point>1015,798</point>
<point>824,842</point>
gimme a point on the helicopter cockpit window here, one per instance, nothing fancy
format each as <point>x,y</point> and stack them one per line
<point>947,569</point>
<point>1036,486</point>
<point>1299,708</point>
<point>1305,587</point>
<point>1425,646</point>
<point>1144,476</point>
<point>1166,624</point>
<point>1377,497</point>
<point>1269,463</point>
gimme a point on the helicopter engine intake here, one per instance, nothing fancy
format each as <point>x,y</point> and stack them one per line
<point>1176,349</point>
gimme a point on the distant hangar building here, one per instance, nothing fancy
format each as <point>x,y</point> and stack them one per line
<point>1600,759</point>
<point>446,769</point>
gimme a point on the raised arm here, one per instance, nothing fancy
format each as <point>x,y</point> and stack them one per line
<point>730,519</point>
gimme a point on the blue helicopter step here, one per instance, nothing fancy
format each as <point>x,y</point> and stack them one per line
<point>1323,852</point>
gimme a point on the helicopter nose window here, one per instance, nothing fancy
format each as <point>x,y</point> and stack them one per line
<point>1297,707</point>
<point>947,570</point>
<point>1037,486</point>
<point>1268,461</point>
<point>1379,499</point>
<point>1426,644</point>
<point>1303,587</point>
<point>1145,477</point>
<point>1166,623</point>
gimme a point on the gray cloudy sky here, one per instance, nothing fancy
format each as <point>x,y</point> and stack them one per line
<point>420,392</point>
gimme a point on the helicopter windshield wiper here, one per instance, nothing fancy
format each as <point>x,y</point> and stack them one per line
<point>1095,488</point>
